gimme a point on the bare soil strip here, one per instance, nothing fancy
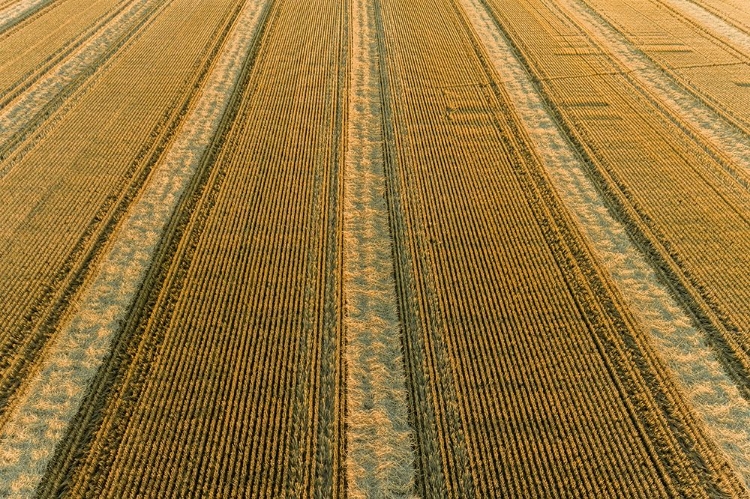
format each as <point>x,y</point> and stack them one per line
<point>681,345</point>
<point>227,379</point>
<point>67,195</point>
<point>380,459</point>
<point>39,419</point>
<point>515,342</point>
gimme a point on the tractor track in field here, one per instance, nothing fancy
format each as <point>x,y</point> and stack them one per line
<point>374,248</point>
<point>83,343</point>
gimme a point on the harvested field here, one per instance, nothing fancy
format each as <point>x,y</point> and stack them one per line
<point>374,248</point>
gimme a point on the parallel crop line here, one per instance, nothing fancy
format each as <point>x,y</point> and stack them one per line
<point>729,12</point>
<point>712,22</point>
<point>380,459</point>
<point>40,417</point>
<point>646,166</point>
<point>229,367</point>
<point>689,109</point>
<point>19,117</point>
<point>35,47</point>
<point>684,347</point>
<point>504,299</point>
<point>88,170</point>
<point>17,12</point>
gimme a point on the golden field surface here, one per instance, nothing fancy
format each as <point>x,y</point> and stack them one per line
<point>374,248</point>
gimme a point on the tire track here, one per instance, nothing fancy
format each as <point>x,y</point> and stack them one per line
<point>680,344</point>
<point>526,374</point>
<point>432,397</point>
<point>687,110</point>
<point>21,116</point>
<point>728,11</point>
<point>703,62</point>
<point>380,460</point>
<point>16,13</point>
<point>40,417</point>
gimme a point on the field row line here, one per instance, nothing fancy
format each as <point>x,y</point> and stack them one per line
<point>622,150</point>
<point>380,460</point>
<point>17,12</point>
<point>682,345</point>
<point>728,11</point>
<point>47,98</point>
<point>687,110</point>
<point>65,29</point>
<point>712,23</point>
<point>248,328</point>
<point>61,264</point>
<point>493,282</point>
<point>40,418</point>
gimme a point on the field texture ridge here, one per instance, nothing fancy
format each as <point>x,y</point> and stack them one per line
<point>40,417</point>
<point>358,249</point>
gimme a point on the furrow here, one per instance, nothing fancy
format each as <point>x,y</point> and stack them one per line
<point>527,375</point>
<point>85,173</point>
<point>681,345</point>
<point>39,419</point>
<point>380,460</point>
<point>21,116</point>
<point>228,373</point>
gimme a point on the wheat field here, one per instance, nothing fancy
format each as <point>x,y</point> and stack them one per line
<point>374,248</point>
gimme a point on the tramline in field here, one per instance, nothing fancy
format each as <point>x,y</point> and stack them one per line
<point>374,248</point>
